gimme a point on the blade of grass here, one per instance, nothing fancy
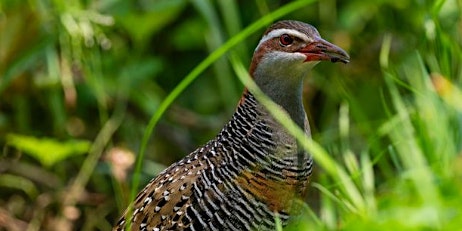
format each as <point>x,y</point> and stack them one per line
<point>318,153</point>
<point>214,39</point>
<point>76,188</point>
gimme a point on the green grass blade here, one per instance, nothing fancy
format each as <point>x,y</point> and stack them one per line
<point>318,153</point>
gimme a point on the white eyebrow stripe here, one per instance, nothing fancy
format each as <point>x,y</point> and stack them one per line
<point>279,32</point>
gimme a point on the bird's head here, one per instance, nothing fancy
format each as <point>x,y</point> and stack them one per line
<point>290,48</point>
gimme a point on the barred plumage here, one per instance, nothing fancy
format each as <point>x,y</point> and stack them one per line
<point>253,169</point>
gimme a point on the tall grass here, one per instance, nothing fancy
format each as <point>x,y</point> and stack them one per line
<point>386,128</point>
<point>425,146</point>
<point>423,130</point>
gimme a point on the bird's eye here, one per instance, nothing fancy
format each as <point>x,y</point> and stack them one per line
<point>285,40</point>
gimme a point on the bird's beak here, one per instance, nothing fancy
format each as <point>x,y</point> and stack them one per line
<point>322,50</point>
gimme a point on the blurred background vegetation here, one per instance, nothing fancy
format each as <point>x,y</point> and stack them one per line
<point>79,81</point>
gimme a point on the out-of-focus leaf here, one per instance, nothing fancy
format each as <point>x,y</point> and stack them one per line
<point>143,25</point>
<point>47,151</point>
<point>189,35</point>
<point>447,90</point>
<point>17,182</point>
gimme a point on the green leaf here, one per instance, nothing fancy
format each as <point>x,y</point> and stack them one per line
<point>47,151</point>
<point>141,26</point>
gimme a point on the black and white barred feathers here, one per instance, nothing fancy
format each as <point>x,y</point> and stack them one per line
<point>238,181</point>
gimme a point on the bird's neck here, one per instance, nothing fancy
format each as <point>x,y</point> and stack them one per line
<point>287,93</point>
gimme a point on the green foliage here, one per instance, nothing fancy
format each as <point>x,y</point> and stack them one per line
<point>154,16</point>
<point>89,76</point>
<point>423,133</point>
<point>20,183</point>
<point>47,151</point>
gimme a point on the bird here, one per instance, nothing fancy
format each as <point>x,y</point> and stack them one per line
<point>250,173</point>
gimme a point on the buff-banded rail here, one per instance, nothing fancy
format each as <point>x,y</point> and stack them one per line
<point>251,172</point>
